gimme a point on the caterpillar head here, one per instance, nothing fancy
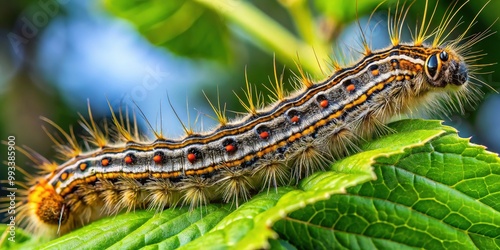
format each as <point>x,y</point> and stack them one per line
<point>445,68</point>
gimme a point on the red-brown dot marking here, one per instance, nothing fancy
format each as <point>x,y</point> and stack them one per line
<point>191,157</point>
<point>158,158</point>
<point>395,63</point>
<point>350,87</point>
<point>374,69</point>
<point>323,103</point>
<point>64,176</point>
<point>264,135</point>
<point>230,148</point>
<point>229,145</point>
<point>129,159</point>
<point>82,166</point>
<point>105,162</point>
<point>294,115</point>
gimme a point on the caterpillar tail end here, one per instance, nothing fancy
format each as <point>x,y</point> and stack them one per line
<point>46,211</point>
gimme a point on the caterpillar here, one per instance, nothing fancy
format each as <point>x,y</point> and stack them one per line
<point>272,146</point>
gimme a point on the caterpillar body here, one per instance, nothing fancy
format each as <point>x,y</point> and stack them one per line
<point>276,145</point>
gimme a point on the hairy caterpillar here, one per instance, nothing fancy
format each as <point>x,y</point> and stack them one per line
<point>288,140</point>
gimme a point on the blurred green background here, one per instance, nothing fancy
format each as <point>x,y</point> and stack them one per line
<point>56,55</point>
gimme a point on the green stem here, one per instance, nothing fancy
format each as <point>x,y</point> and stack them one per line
<point>305,24</point>
<point>267,34</point>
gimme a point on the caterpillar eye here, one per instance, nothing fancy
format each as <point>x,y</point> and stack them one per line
<point>443,56</point>
<point>431,66</point>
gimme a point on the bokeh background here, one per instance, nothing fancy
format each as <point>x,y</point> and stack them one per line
<point>56,56</point>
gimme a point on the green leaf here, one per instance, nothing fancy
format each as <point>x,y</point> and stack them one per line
<point>440,194</point>
<point>169,229</point>
<point>185,27</point>
<point>17,239</point>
